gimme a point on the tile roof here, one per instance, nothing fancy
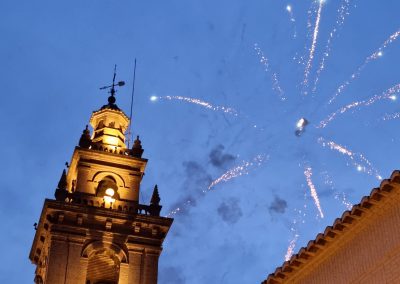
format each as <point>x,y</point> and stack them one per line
<point>339,227</point>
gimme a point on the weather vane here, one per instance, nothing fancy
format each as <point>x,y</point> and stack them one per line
<point>111,99</point>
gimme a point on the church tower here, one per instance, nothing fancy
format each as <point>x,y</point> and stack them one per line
<point>95,230</point>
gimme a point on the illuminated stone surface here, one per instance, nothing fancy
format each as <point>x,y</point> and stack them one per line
<point>95,231</point>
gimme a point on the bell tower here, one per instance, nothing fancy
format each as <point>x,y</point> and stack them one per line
<point>95,230</point>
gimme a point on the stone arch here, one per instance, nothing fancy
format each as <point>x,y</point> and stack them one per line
<point>99,176</point>
<point>106,183</point>
<point>92,247</point>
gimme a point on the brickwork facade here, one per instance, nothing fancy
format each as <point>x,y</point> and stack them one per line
<point>361,247</point>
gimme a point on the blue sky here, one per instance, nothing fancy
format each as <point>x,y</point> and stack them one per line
<point>56,55</point>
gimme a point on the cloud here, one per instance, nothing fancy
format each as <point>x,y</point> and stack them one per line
<point>220,159</point>
<point>278,205</point>
<point>172,275</point>
<point>230,211</point>
<point>196,180</point>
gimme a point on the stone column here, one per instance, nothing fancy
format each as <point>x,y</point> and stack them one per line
<point>135,267</point>
<point>58,254</point>
<point>76,272</point>
<point>123,274</point>
<point>150,269</point>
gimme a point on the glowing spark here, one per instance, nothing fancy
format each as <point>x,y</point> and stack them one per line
<point>313,45</point>
<point>342,197</point>
<point>178,209</point>
<point>198,102</point>
<point>343,11</point>
<point>358,160</point>
<point>299,219</point>
<point>308,174</point>
<point>338,196</point>
<point>388,94</point>
<point>240,170</point>
<point>290,249</point>
<point>153,98</point>
<point>377,54</point>
<point>274,77</point>
<point>292,19</point>
<point>391,116</point>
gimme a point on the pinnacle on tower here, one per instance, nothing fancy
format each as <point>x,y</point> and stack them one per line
<point>155,198</point>
<point>61,191</point>
<point>85,141</point>
<point>137,149</point>
<point>155,207</point>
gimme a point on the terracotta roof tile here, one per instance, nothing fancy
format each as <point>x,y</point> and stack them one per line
<point>348,217</point>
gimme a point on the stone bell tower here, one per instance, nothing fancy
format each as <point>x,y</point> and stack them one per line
<point>95,231</point>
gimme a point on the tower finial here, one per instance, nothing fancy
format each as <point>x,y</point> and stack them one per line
<point>111,98</point>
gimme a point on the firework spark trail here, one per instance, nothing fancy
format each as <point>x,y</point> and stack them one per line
<point>388,94</point>
<point>230,174</point>
<point>391,116</point>
<point>358,160</point>
<point>292,245</point>
<point>343,199</point>
<point>274,77</point>
<point>178,209</point>
<point>338,196</point>
<point>377,54</point>
<point>240,170</point>
<point>313,45</point>
<point>308,174</point>
<point>294,229</point>
<point>198,102</point>
<point>289,9</point>
<point>343,11</point>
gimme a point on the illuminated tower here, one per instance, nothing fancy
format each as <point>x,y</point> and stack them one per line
<point>95,231</point>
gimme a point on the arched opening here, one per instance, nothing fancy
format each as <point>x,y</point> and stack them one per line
<point>103,267</point>
<point>105,185</point>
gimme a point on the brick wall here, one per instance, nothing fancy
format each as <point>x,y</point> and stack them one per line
<point>368,253</point>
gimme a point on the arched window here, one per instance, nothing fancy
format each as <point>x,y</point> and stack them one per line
<point>103,267</point>
<point>105,184</point>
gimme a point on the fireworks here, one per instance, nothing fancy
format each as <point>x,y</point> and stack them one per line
<point>274,77</point>
<point>295,110</point>
<point>343,199</point>
<point>377,54</point>
<point>343,11</point>
<point>301,126</point>
<point>340,196</point>
<point>291,247</point>
<point>207,105</point>
<point>178,209</point>
<point>388,94</point>
<point>294,229</point>
<point>308,174</point>
<point>391,116</point>
<point>289,9</point>
<point>358,160</point>
<point>240,170</point>
<point>313,45</point>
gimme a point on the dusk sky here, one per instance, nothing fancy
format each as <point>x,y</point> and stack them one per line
<point>258,65</point>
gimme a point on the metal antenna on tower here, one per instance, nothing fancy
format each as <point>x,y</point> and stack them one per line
<point>130,115</point>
